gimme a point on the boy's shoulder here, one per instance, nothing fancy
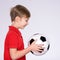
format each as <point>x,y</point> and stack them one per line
<point>11,33</point>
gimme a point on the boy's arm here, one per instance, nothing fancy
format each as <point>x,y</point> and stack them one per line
<point>15,54</point>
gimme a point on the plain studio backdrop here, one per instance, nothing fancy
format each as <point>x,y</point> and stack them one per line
<point>45,19</point>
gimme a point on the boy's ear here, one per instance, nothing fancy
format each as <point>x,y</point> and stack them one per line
<point>17,18</point>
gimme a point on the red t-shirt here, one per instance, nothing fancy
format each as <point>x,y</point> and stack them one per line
<point>13,40</point>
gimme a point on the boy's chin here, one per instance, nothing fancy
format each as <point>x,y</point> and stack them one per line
<point>21,27</point>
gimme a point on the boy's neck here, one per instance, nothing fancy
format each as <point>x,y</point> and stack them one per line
<point>14,25</point>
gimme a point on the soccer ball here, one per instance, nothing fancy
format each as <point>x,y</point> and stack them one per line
<point>40,40</point>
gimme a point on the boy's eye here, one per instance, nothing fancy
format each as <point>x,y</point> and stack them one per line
<point>26,20</point>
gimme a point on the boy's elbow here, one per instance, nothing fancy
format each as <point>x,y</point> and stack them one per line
<point>13,54</point>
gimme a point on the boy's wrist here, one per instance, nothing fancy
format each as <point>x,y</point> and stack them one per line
<point>29,48</point>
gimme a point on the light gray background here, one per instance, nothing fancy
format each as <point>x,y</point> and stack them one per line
<point>45,19</point>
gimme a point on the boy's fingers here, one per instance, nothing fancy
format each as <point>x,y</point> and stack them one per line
<point>41,44</point>
<point>38,44</point>
<point>34,41</point>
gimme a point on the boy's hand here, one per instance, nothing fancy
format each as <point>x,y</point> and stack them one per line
<point>36,47</point>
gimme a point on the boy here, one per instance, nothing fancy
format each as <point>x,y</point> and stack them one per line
<point>14,46</point>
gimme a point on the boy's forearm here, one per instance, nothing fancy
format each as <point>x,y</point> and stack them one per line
<point>21,53</point>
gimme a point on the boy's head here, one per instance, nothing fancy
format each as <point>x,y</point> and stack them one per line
<point>20,11</point>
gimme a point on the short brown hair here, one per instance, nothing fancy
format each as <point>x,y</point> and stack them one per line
<point>20,11</point>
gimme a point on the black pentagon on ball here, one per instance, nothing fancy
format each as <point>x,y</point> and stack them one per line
<point>48,47</point>
<point>32,52</point>
<point>31,40</point>
<point>42,38</point>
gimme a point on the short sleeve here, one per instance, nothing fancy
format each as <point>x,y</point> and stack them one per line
<point>13,40</point>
